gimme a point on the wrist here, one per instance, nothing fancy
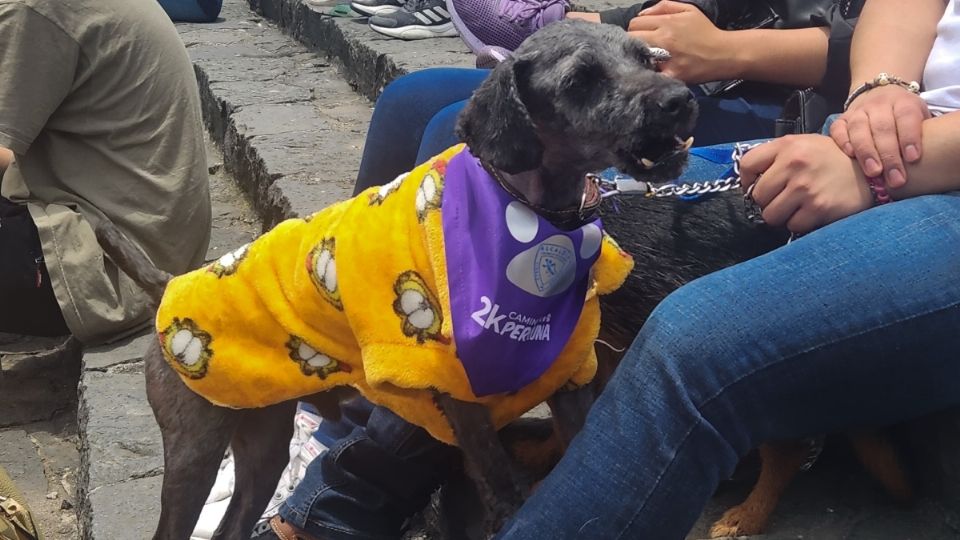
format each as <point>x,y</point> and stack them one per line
<point>740,56</point>
<point>882,80</point>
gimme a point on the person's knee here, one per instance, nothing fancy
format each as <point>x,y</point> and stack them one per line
<point>402,89</point>
<point>686,341</point>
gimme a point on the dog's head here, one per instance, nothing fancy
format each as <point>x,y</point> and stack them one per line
<point>578,97</point>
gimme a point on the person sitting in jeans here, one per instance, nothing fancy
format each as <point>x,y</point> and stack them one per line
<point>192,10</point>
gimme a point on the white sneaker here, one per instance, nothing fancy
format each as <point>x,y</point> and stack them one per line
<point>303,450</point>
<point>210,519</point>
<point>217,501</point>
<point>223,486</point>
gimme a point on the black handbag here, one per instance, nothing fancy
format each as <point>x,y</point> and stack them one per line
<point>804,112</point>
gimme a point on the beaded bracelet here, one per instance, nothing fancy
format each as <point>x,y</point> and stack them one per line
<point>881,80</point>
<point>879,190</point>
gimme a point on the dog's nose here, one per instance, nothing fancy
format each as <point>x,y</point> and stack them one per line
<point>675,101</point>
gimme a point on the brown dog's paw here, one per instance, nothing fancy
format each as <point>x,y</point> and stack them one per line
<point>737,521</point>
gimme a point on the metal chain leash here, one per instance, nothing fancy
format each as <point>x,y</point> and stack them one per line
<point>627,185</point>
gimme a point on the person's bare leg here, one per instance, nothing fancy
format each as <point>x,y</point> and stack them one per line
<point>589,17</point>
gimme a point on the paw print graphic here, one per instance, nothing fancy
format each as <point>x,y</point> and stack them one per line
<point>227,265</point>
<point>429,194</point>
<point>322,267</point>
<point>187,347</point>
<point>313,362</point>
<point>377,198</point>
<point>549,267</point>
<point>417,307</point>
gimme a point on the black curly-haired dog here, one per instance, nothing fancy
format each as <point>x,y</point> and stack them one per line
<point>575,98</point>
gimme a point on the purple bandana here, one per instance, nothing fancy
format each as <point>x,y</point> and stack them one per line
<point>517,283</point>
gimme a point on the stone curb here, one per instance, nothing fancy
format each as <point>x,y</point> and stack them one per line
<point>369,61</point>
<point>290,128</point>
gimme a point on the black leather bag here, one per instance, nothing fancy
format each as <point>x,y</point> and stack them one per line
<point>804,112</point>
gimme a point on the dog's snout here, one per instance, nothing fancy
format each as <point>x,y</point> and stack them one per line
<point>675,101</point>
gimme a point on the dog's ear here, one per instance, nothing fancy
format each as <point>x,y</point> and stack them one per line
<point>496,125</point>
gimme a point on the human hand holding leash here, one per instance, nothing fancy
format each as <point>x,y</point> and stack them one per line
<point>881,130</point>
<point>804,182</point>
<point>695,44</point>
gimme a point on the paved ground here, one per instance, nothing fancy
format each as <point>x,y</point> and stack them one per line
<point>38,428</point>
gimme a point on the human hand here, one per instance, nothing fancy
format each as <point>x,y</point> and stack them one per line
<point>804,182</point>
<point>6,158</point>
<point>695,44</point>
<point>882,130</point>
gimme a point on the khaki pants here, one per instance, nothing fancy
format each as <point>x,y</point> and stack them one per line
<point>15,520</point>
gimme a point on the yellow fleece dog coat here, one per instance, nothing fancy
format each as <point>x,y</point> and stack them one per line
<point>355,294</point>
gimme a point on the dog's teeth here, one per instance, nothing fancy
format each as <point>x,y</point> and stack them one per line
<point>687,144</point>
<point>647,163</point>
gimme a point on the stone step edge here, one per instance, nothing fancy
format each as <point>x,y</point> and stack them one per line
<point>366,69</point>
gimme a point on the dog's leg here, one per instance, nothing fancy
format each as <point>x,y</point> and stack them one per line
<point>780,463</point>
<point>880,459</point>
<point>485,458</point>
<point>195,436</point>
<point>260,450</point>
<point>569,409</point>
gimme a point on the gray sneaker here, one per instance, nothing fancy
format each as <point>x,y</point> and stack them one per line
<point>419,19</point>
<point>369,8</point>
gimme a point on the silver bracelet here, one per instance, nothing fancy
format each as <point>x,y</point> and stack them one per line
<point>881,80</point>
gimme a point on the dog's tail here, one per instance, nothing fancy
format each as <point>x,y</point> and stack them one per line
<point>131,260</point>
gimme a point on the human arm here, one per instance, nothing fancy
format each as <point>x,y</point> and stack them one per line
<point>882,127</point>
<point>702,52</point>
<point>805,182</point>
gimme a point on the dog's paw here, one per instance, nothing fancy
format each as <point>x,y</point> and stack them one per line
<point>549,267</point>
<point>738,521</point>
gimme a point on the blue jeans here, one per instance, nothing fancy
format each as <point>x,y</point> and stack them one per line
<point>370,481</point>
<point>416,114</point>
<point>192,10</point>
<point>853,325</point>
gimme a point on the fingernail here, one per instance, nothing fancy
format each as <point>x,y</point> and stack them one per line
<point>895,178</point>
<point>911,152</point>
<point>873,168</point>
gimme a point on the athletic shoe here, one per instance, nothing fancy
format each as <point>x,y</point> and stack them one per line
<point>217,501</point>
<point>210,518</point>
<point>502,23</point>
<point>488,57</point>
<point>419,19</point>
<point>303,450</point>
<point>370,8</point>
